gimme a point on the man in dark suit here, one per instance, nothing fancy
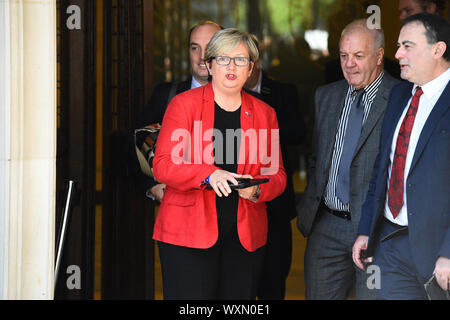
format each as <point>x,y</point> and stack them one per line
<point>199,36</point>
<point>348,117</point>
<point>410,7</point>
<point>405,223</point>
<point>283,98</point>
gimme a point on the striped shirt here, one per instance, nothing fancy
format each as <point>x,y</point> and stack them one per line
<point>370,92</point>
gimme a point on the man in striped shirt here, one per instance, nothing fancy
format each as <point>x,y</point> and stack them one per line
<point>348,117</point>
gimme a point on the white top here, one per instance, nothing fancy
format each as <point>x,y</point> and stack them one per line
<point>431,93</point>
<point>195,83</point>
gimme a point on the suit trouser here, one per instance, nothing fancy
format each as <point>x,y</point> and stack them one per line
<point>329,269</point>
<point>277,259</point>
<point>224,271</point>
<point>399,277</point>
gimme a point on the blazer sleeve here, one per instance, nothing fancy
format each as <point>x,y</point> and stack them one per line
<point>367,210</point>
<point>368,207</point>
<point>153,113</point>
<point>169,165</point>
<point>312,159</point>
<point>445,248</point>
<point>154,108</point>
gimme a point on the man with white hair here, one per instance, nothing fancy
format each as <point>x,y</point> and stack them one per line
<point>348,117</point>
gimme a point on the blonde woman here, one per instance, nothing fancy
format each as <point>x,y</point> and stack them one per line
<point>211,236</point>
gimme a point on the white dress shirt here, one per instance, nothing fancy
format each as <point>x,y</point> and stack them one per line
<point>195,83</point>
<point>370,92</point>
<point>431,93</point>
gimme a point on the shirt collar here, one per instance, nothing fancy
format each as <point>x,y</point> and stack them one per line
<point>195,83</point>
<point>435,86</point>
<point>372,87</point>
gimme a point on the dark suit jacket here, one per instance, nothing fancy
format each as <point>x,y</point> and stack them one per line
<point>155,108</point>
<point>153,113</point>
<point>283,98</point>
<point>329,103</point>
<point>427,184</point>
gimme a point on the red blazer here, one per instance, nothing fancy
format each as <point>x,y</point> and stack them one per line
<point>183,159</point>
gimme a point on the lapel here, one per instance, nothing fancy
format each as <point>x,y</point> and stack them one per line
<point>184,85</point>
<point>207,115</point>
<point>247,122</point>
<point>397,104</point>
<point>333,115</point>
<point>402,104</point>
<point>255,94</point>
<point>376,111</point>
<point>266,89</point>
<point>435,116</point>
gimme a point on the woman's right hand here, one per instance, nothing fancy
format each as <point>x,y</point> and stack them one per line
<point>158,191</point>
<point>219,181</point>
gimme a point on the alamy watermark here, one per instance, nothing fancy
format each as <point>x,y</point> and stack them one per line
<point>189,147</point>
<point>374,280</point>
<point>374,21</point>
<point>73,22</point>
<point>74,279</point>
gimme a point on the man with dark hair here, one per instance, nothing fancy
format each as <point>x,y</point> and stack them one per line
<point>409,7</point>
<point>405,222</point>
<point>199,36</point>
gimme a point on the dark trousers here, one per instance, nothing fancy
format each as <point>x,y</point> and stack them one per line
<point>399,277</point>
<point>225,271</point>
<point>330,273</point>
<point>277,259</point>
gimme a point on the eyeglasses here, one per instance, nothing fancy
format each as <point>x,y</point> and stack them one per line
<point>238,61</point>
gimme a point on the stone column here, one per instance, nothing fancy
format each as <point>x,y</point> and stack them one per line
<point>32,170</point>
<point>4,143</point>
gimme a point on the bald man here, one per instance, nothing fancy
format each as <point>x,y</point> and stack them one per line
<point>348,116</point>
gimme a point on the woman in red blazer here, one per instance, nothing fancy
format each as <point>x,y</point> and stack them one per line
<point>211,241</point>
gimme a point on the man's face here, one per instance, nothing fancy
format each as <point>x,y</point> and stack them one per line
<point>200,37</point>
<point>360,63</point>
<point>415,54</point>
<point>408,8</point>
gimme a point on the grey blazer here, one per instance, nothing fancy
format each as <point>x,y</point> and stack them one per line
<point>329,102</point>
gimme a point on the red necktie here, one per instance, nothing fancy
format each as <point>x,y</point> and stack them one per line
<point>396,186</point>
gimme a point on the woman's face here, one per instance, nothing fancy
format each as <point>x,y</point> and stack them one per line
<point>231,77</point>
